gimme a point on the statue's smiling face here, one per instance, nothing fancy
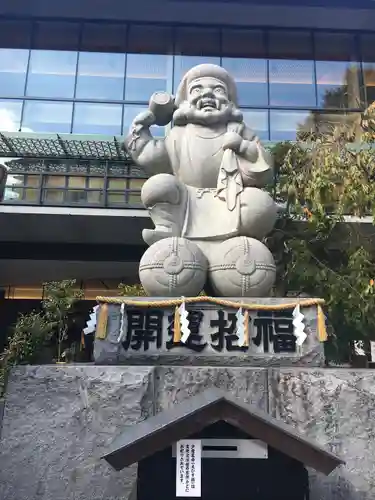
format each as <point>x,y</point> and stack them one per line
<point>208,95</point>
<point>207,103</point>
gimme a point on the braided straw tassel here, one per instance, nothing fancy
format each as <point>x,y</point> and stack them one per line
<point>322,331</point>
<point>246,329</point>
<point>101,325</point>
<point>177,326</point>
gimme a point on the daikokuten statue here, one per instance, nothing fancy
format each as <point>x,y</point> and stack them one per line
<point>204,194</point>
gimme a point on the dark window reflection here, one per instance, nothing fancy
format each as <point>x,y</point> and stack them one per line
<point>13,67</point>
<point>10,115</point>
<point>146,74</point>
<point>257,120</point>
<point>44,116</point>
<point>51,73</point>
<point>100,76</point>
<point>194,41</point>
<point>15,34</point>
<point>285,125</point>
<point>150,39</point>
<point>335,47</point>
<point>337,71</point>
<point>56,35</point>
<point>369,81</point>
<point>251,80</point>
<point>367,43</point>
<point>103,37</point>
<point>292,83</point>
<point>97,119</point>
<point>194,46</point>
<point>368,58</point>
<point>290,45</point>
<point>243,43</point>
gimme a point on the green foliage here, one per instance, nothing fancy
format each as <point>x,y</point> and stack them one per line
<point>33,333</point>
<point>131,290</point>
<point>319,183</point>
<point>58,307</point>
<point>29,336</point>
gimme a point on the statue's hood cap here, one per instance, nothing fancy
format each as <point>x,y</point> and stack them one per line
<point>206,70</point>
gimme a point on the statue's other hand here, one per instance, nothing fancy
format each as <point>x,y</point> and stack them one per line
<point>232,141</point>
<point>144,119</point>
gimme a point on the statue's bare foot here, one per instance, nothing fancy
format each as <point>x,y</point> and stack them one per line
<point>151,236</point>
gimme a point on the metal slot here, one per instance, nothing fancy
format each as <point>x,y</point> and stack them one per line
<point>232,448</point>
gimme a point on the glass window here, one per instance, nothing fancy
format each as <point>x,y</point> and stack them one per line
<point>77,182</point>
<point>194,46</point>
<point>32,180</point>
<point>285,125</point>
<point>182,64</point>
<point>100,76</point>
<point>54,35</point>
<point>369,81</point>
<point>10,115</point>
<point>146,74</point>
<point>51,73</point>
<point>54,189</point>
<point>292,83</point>
<point>338,84</point>
<point>59,181</point>
<point>15,34</point>
<point>96,182</point>
<point>335,47</point>
<point>337,70</point>
<point>97,119</point>
<point>130,112</point>
<point>31,192</point>
<point>251,80</point>
<point>26,188</point>
<point>257,120</point>
<point>368,48</point>
<point>284,44</point>
<point>117,184</point>
<point>193,41</point>
<point>47,116</point>
<point>13,67</point>
<point>77,192</point>
<point>243,43</point>
<point>116,198</point>
<point>103,37</point>
<point>134,194</point>
<point>150,39</point>
<point>368,58</point>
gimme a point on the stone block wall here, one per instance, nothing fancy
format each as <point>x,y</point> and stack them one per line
<point>58,420</point>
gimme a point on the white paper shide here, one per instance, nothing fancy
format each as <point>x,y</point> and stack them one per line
<point>188,468</point>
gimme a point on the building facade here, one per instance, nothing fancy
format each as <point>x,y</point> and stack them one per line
<point>72,77</point>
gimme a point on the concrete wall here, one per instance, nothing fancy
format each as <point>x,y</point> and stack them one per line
<point>59,419</point>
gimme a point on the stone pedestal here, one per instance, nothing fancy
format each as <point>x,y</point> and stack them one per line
<point>58,421</point>
<point>138,335</point>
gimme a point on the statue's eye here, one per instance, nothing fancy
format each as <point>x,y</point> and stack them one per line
<point>219,90</point>
<point>195,91</point>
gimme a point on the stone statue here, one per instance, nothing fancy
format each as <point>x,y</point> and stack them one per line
<point>206,176</point>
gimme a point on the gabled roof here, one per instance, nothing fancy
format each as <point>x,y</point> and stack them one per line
<point>198,412</point>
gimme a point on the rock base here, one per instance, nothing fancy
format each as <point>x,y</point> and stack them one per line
<point>58,420</point>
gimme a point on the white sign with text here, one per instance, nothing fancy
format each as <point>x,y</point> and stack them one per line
<point>188,468</point>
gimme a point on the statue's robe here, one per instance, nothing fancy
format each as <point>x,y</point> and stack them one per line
<point>214,179</point>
